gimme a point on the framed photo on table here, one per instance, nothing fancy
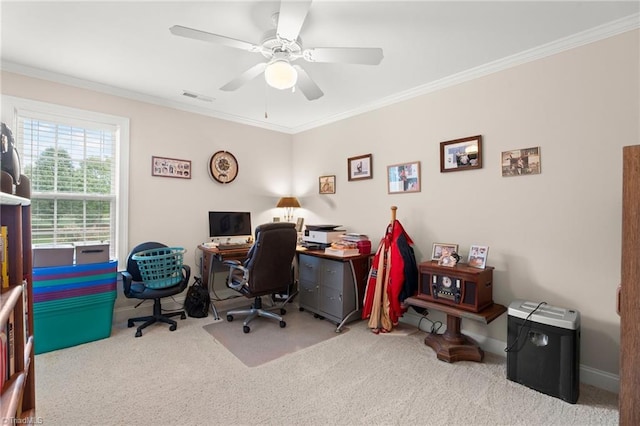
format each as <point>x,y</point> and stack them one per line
<point>461,154</point>
<point>360,167</point>
<point>478,256</point>
<point>440,249</point>
<point>403,177</point>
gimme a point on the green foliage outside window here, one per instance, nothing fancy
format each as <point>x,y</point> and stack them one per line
<point>69,203</point>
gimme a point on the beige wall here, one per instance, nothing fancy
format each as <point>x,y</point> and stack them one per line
<point>552,237</point>
<point>174,211</point>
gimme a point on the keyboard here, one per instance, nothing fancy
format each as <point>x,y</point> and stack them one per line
<point>234,246</point>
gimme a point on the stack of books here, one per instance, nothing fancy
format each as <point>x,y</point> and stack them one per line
<point>347,245</point>
<point>352,237</point>
<point>342,252</point>
<point>362,242</point>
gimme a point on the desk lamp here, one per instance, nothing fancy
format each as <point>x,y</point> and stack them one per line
<point>288,203</point>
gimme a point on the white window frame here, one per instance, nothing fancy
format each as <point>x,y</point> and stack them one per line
<point>12,107</point>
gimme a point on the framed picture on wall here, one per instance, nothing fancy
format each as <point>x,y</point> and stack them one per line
<point>359,167</point>
<point>327,184</point>
<point>519,162</point>
<point>170,167</point>
<point>403,177</point>
<point>461,154</point>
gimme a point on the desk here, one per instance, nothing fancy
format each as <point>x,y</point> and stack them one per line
<point>208,255</point>
<point>211,263</point>
<point>332,287</point>
<point>452,345</point>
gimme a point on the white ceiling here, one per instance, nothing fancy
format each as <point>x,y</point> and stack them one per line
<point>125,48</point>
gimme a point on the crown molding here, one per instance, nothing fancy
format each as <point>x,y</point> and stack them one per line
<point>601,32</point>
<point>129,94</point>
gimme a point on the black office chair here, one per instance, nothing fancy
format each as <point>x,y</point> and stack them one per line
<point>267,270</point>
<point>135,288</point>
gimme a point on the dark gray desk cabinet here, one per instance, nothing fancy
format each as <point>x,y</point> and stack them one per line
<point>332,287</point>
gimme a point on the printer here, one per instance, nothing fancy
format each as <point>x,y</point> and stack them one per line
<point>323,235</point>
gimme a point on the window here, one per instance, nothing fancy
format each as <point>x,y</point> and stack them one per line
<point>77,163</point>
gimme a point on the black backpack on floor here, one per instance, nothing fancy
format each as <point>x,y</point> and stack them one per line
<point>197,302</point>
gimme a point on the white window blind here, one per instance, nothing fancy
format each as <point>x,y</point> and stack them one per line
<point>77,162</point>
<point>71,167</point>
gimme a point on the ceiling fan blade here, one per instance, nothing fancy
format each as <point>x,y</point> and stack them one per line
<point>347,55</point>
<point>181,31</point>
<point>245,77</point>
<point>308,87</point>
<point>291,17</point>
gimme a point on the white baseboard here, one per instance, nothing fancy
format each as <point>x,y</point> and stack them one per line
<point>600,379</point>
<point>588,375</point>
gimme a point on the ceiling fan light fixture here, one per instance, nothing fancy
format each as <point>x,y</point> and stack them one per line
<point>279,74</point>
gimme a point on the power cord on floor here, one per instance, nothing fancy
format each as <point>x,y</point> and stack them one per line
<point>435,325</point>
<point>162,309</point>
<point>218,298</point>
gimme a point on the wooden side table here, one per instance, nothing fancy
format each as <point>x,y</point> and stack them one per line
<point>452,345</point>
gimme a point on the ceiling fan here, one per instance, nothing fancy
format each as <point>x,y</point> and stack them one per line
<point>282,46</point>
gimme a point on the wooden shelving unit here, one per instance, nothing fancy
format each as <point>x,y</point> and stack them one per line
<point>18,400</point>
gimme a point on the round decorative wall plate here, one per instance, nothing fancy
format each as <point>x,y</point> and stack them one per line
<point>223,167</point>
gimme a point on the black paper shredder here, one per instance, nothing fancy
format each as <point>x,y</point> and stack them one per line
<point>544,349</point>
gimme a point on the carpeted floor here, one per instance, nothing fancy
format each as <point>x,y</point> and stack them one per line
<point>187,377</point>
<point>267,341</point>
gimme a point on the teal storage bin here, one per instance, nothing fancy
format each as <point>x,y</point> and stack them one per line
<point>72,321</point>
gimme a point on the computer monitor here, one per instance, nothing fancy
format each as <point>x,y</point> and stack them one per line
<point>229,224</point>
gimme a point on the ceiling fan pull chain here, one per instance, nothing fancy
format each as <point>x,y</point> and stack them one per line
<point>266,97</point>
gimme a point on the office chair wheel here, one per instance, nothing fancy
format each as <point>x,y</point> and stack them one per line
<point>173,327</point>
<point>229,318</point>
<point>246,328</point>
<point>138,333</point>
<point>283,311</point>
<point>283,324</point>
<point>183,316</point>
<point>301,309</point>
